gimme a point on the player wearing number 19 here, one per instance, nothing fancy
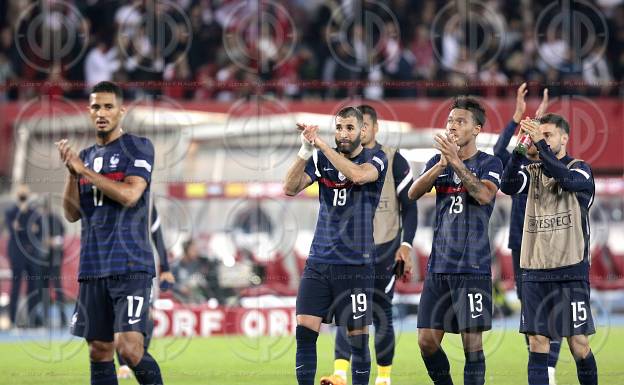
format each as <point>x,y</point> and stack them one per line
<point>108,190</point>
<point>456,297</point>
<point>338,278</point>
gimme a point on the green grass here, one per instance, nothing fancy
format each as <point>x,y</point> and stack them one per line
<point>270,361</point>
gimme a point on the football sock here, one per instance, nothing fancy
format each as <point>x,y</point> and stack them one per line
<point>553,354</point>
<point>538,368</point>
<point>341,367</point>
<point>305,359</point>
<point>360,359</point>
<point>147,371</point>
<point>474,368</point>
<point>438,368</point>
<point>384,339</point>
<point>586,370</point>
<point>103,373</point>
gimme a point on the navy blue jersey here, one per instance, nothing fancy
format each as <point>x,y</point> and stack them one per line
<point>115,239</point>
<point>344,229</point>
<point>518,201</point>
<point>579,179</point>
<point>460,240</point>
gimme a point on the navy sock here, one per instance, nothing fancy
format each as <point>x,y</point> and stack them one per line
<point>305,360</point>
<point>103,373</point>
<point>342,349</point>
<point>360,359</point>
<point>147,371</point>
<point>384,338</point>
<point>553,353</point>
<point>538,368</point>
<point>474,368</point>
<point>438,368</point>
<point>587,371</point>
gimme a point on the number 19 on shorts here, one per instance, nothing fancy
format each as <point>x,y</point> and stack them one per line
<point>358,303</point>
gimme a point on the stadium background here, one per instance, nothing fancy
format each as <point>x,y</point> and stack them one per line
<point>218,87</point>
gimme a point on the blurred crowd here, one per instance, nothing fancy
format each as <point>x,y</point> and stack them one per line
<point>224,49</point>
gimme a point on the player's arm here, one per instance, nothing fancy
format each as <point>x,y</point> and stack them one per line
<point>483,191</point>
<point>435,166</point>
<point>356,173</point>
<point>515,180</point>
<point>500,147</point>
<point>71,194</point>
<point>403,180</point>
<point>296,178</point>
<point>127,192</point>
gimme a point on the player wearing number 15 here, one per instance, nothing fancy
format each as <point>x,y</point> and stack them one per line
<point>108,189</point>
<point>338,279</point>
<point>456,297</point>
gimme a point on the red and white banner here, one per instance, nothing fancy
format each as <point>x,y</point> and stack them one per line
<point>204,321</point>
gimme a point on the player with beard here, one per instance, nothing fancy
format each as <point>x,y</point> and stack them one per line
<point>108,189</point>
<point>338,279</point>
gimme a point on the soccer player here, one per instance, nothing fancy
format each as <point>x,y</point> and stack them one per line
<point>555,265</point>
<point>456,297</point>
<point>337,282</point>
<point>165,279</point>
<point>518,204</point>
<point>394,229</point>
<point>108,189</point>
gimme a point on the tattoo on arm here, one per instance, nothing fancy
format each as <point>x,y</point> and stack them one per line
<point>470,181</point>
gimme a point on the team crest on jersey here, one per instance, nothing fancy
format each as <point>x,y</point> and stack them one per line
<point>97,164</point>
<point>114,161</point>
<point>341,176</point>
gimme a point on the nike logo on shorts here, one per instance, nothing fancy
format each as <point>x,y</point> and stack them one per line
<point>579,325</point>
<point>358,316</point>
<point>133,321</point>
<point>476,316</point>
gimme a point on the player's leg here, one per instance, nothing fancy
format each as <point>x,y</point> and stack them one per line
<point>538,306</point>
<point>382,320</point>
<point>586,368</point>
<point>578,325</point>
<point>102,364</point>
<point>314,300</point>
<point>93,320</point>
<point>342,353</point>
<point>433,319</point>
<point>472,302</point>
<point>352,287</point>
<point>553,357</point>
<point>131,296</point>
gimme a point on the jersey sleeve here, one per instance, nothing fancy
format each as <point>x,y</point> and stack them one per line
<point>492,171</point>
<point>380,162</point>
<point>430,163</point>
<point>141,159</point>
<point>311,167</point>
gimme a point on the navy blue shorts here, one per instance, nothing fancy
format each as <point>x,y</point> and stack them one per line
<point>110,305</point>
<point>456,303</point>
<point>339,293</point>
<point>556,309</point>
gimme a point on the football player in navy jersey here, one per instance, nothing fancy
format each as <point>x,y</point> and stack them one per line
<point>338,278</point>
<point>555,300</point>
<point>457,294</point>
<point>108,189</point>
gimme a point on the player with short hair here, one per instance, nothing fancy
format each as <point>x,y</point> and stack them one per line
<point>457,293</point>
<point>108,189</point>
<point>555,248</point>
<point>337,282</point>
<point>395,224</point>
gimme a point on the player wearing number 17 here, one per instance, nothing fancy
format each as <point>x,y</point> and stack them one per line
<point>456,297</point>
<point>108,189</point>
<point>338,279</point>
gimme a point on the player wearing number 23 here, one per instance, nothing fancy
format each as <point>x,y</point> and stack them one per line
<point>108,190</point>
<point>456,297</point>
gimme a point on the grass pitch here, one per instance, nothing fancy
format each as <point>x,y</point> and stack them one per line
<point>270,361</point>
